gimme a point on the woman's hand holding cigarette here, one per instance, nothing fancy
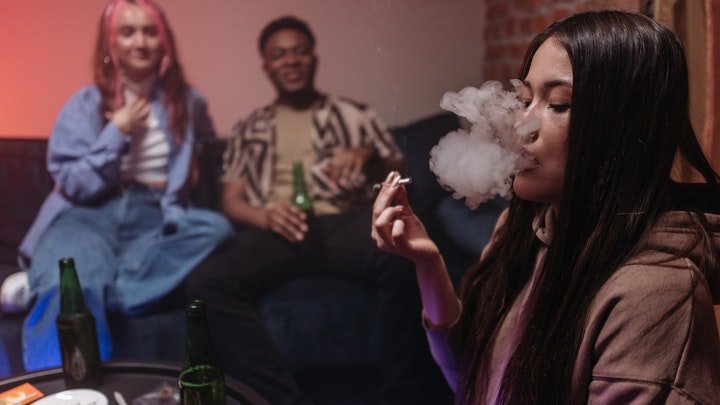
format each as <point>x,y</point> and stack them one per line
<point>402,180</point>
<point>396,228</point>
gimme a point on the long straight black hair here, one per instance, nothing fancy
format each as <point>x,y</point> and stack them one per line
<point>629,118</point>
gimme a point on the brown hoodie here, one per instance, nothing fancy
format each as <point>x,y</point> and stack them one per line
<point>650,335</point>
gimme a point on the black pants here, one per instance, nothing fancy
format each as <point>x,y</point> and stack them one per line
<point>233,279</point>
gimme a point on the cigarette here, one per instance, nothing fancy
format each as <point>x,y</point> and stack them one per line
<point>404,180</point>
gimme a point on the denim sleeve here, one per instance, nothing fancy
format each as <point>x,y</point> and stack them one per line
<point>200,130</point>
<point>83,151</point>
<point>202,123</point>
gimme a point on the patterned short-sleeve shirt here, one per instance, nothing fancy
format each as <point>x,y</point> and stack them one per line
<point>337,123</point>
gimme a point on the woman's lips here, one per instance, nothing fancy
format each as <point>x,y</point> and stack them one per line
<point>526,162</point>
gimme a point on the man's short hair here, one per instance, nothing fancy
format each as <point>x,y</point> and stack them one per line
<point>283,23</point>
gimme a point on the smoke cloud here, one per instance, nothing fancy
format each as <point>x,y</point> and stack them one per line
<point>478,164</point>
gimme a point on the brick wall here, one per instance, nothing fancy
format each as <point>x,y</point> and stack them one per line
<point>511,24</point>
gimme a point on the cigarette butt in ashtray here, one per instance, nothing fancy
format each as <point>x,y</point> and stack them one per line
<point>404,180</point>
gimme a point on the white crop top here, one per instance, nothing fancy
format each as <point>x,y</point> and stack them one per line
<point>147,158</point>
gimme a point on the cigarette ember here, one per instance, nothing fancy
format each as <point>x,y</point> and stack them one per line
<point>404,180</point>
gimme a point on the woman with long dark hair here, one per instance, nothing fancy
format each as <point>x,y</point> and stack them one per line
<point>122,155</point>
<point>599,282</point>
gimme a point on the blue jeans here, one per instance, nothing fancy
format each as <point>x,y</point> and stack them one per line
<point>123,260</point>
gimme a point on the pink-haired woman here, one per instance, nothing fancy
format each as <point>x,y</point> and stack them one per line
<point>121,154</point>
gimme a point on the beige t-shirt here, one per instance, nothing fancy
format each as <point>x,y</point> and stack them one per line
<point>293,143</point>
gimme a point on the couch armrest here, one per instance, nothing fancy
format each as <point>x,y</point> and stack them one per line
<point>27,182</point>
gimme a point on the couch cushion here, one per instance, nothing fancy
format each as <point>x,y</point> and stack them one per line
<point>207,192</point>
<point>323,322</point>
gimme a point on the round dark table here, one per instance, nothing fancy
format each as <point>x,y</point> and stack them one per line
<point>131,379</point>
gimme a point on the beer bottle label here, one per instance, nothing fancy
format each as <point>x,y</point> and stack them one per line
<point>78,369</point>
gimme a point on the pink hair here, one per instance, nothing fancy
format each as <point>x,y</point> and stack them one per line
<point>110,16</point>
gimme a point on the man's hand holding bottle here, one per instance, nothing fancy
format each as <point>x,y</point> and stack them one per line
<point>287,220</point>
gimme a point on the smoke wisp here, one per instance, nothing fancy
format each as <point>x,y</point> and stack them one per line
<point>478,164</point>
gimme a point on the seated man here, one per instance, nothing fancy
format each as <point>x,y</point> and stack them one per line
<point>337,140</point>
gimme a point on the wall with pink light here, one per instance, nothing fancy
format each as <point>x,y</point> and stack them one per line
<point>398,55</point>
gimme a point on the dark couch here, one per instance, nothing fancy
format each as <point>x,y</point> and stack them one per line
<point>334,355</point>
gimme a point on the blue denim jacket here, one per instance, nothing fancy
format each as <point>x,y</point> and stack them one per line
<point>84,153</point>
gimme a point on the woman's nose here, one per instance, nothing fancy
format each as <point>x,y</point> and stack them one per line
<point>140,39</point>
<point>527,128</point>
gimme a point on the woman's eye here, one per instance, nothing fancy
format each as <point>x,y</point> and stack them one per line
<point>126,31</point>
<point>151,31</point>
<point>560,108</point>
<point>526,103</point>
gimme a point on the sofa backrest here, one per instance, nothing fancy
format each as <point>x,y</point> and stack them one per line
<point>24,182</point>
<point>416,140</point>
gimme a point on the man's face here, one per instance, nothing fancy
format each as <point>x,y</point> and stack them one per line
<point>289,61</point>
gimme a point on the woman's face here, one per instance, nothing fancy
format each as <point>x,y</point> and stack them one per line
<point>138,46</point>
<point>546,93</point>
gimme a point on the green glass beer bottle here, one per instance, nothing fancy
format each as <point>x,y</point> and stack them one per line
<point>201,380</point>
<point>301,197</point>
<point>76,332</point>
